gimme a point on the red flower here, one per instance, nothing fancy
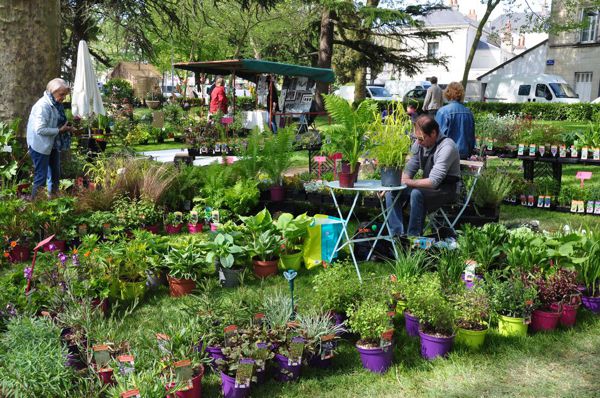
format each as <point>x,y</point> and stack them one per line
<point>6,255</point>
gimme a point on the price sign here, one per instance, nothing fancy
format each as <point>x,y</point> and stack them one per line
<point>583,175</point>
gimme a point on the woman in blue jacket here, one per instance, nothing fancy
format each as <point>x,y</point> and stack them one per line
<point>46,121</point>
<point>456,120</point>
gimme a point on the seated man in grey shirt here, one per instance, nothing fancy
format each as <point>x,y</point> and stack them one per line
<point>438,157</point>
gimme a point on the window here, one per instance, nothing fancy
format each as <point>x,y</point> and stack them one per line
<point>589,32</point>
<point>541,90</point>
<point>433,49</point>
<point>524,89</point>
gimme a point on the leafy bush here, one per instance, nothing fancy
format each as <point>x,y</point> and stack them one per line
<point>428,302</point>
<point>119,89</point>
<point>491,189</point>
<point>369,319</point>
<point>544,111</point>
<point>32,360</point>
<point>511,297</point>
<point>336,288</point>
<point>473,308</point>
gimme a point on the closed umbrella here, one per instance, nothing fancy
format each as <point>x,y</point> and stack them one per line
<point>86,97</point>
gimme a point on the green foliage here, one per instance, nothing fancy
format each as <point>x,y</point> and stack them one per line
<point>223,249</point>
<point>277,154</point>
<point>428,302</point>
<point>544,111</point>
<point>348,134</point>
<point>511,297</point>
<point>369,320</point>
<point>266,245</point>
<point>472,307</point>
<point>336,287</point>
<point>119,89</point>
<point>243,196</point>
<point>491,189</point>
<point>32,360</point>
<point>390,138</point>
<point>589,269</point>
<point>186,260</point>
<point>293,230</point>
<point>136,213</point>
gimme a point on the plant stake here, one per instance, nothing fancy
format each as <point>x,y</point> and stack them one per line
<point>290,274</point>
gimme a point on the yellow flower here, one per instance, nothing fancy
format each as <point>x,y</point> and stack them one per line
<point>75,251</point>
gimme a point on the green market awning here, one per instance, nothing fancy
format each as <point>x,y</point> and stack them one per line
<point>250,68</point>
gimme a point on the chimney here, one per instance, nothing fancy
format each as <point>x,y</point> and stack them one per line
<point>521,44</point>
<point>454,5</point>
<point>472,15</point>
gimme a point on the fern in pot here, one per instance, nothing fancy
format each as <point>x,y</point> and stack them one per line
<point>390,144</point>
<point>277,159</point>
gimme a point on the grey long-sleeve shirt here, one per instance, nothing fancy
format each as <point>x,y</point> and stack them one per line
<point>434,98</point>
<point>446,161</point>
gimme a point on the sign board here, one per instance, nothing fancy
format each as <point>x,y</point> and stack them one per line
<point>549,62</point>
<point>158,119</point>
<point>583,175</point>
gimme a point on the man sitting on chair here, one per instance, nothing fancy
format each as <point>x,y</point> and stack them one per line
<point>438,157</point>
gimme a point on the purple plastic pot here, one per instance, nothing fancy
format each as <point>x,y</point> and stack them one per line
<point>433,347</point>
<point>315,361</point>
<point>214,353</point>
<point>229,390</point>
<point>469,284</point>
<point>286,372</point>
<point>411,323</point>
<point>591,303</point>
<point>542,321</point>
<point>376,360</point>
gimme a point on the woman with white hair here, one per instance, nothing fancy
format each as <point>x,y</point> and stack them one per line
<point>46,121</point>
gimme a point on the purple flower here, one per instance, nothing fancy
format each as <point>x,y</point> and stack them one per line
<point>62,257</point>
<point>75,259</point>
<point>27,273</point>
<point>52,247</point>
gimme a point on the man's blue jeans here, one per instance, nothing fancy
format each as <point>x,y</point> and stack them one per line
<point>46,169</point>
<point>422,201</point>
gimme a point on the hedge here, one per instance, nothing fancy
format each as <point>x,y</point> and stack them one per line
<point>582,112</point>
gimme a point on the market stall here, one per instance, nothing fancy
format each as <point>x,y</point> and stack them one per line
<point>297,92</point>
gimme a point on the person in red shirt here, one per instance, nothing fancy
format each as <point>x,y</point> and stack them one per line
<point>218,99</point>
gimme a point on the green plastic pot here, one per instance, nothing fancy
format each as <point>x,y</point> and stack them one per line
<point>472,339</point>
<point>290,261</point>
<point>512,327</point>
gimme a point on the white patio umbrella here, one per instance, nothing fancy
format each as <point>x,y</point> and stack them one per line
<point>85,97</point>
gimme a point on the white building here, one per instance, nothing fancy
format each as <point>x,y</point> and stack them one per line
<point>456,47</point>
<point>528,62</point>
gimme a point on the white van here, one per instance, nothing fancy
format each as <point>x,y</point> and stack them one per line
<point>377,93</point>
<point>399,88</point>
<point>529,88</point>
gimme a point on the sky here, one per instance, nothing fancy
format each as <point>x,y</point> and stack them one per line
<point>466,5</point>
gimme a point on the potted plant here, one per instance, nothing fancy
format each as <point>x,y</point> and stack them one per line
<point>293,231</point>
<point>128,264</point>
<point>436,316</point>
<point>370,321</point>
<point>512,300</point>
<point>589,271</point>
<point>390,144</point>
<point>277,159</point>
<point>472,307</point>
<point>567,298</point>
<point>173,222</point>
<point>222,251</point>
<point>321,334</point>
<point>185,264</point>
<point>264,242</point>
<point>152,100</point>
<point>348,134</point>
<point>193,223</point>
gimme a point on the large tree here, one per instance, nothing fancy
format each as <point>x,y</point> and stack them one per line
<point>30,51</point>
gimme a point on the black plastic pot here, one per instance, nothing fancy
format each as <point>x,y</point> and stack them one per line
<point>391,176</point>
<point>230,277</point>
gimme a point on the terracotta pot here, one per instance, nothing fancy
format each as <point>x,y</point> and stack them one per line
<point>262,269</point>
<point>180,287</point>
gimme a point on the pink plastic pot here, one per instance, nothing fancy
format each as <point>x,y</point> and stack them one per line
<point>277,193</point>
<point>59,245</point>
<point>19,253</point>
<point>194,392</point>
<point>153,228</point>
<point>194,228</point>
<point>106,376</point>
<point>568,315</point>
<point>173,229</point>
<point>542,321</point>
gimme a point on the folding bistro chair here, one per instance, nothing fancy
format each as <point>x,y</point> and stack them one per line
<point>444,216</point>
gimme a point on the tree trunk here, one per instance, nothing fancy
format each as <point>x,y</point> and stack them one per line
<point>491,5</point>
<point>30,54</point>
<point>325,53</point>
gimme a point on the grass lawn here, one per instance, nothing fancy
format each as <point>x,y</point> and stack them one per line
<point>558,364</point>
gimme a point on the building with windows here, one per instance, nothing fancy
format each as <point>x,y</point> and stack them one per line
<point>575,55</point>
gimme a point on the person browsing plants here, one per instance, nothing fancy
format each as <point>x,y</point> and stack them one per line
<point>437,156</point>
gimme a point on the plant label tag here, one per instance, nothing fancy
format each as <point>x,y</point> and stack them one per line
<point>563,151</point>
<point>386,337</point>
<point>521,150</point>
<point>215,216</point>
<point>523,200</point>
<point>547,201</point>
<point>540,202</point>
<point>163,342</point>
<point>259,319</point>
<point>584,153</point>
<point>327,346</point>
<point>490,145</point>
<point>101,355</point>
<point>590,207</point>
<point>574,153</point>
<point>532,148</point>
<point>530,200</point>
<point>470,266</point>
<point>296,350</point>
<point>230,332</point>
<point>243,375</point>
<point>554,150</point>
<point>293,325</point>
<point>7,149</point>
<point>217,148</point>
<point>221,275</point>
<point>131,394</point>
<point>542,150</point>
<point>126,364</point>
<point>596,154</point>
<point>597,207</point>
<point>193,217</point>
<point>106,229</point>
<point>573,206</point>
<point>183,370</point>
<point>580,206</point>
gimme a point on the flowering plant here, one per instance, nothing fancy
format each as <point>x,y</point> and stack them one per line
<point>513,297</point>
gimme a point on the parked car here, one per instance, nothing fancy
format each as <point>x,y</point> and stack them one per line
<point>377,93</point>
<point>398,88</point>
<point>529,88</point>
<point>169,91</point>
